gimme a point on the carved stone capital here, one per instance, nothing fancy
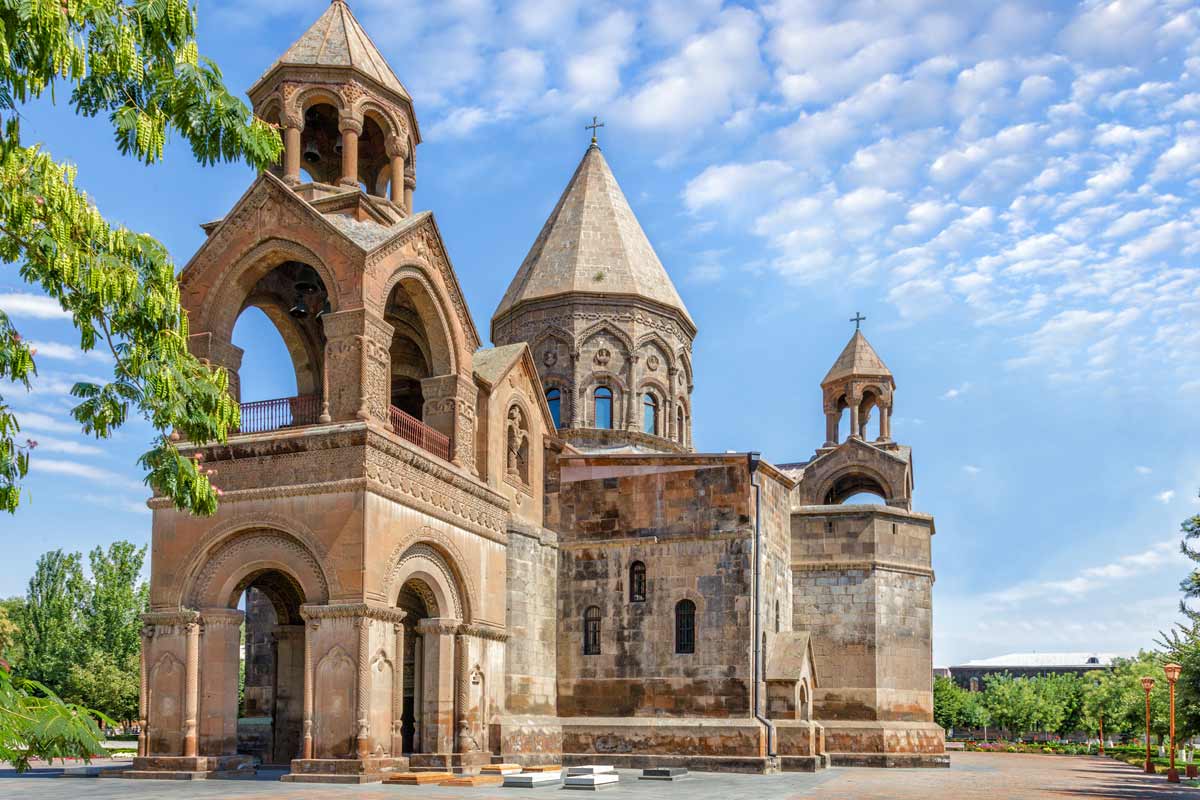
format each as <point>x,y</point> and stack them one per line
<point>443,626</point>
<point>349,123</point>
<point>396,146</point>
<point>359,612</point>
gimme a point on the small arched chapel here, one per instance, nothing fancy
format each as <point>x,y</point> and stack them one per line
<point>439,555</point>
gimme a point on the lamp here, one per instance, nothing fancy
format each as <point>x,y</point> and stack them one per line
<point>1148,685</point>
<point>1172,670</point>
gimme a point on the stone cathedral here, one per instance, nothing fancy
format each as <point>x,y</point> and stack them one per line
<point>441,555</point>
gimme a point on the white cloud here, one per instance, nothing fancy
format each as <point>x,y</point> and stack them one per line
<point>956,391</point>
<point>1165,496</point>
<point>972,470</point>
<point>37,421</point>
<point>1142,470</point>
<point>51,444</point>
<point>1091,579</point>
<point>1177,163</point>
<point>86,472</point>
<point>67,352</point>
<point>734,185</point>
<point>33,306</point>
<point>713,73</point>
<point>461,122</point>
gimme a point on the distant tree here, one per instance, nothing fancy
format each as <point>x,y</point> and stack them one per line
<point>8,631</point>
<point>949,702</point>
<point>1190,585</point>
<point>1011,703</point>
<point>116,599</point>
<point>14,609</point>
<point>106,683</point>
<point>50,628</point>
<point>136,62</point>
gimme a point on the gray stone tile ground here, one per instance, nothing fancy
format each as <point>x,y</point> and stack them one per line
<point>972,776</point>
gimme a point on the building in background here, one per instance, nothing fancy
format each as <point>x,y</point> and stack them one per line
<point>972,674</point>
<point>456,554</point>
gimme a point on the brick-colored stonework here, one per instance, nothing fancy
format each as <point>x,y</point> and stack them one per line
<point>448,558</point>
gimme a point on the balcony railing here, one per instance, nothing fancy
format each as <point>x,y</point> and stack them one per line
<point>409,427</point>
<point>284,412</point>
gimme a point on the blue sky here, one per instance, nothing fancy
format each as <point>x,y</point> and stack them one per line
<point>1008,192</point>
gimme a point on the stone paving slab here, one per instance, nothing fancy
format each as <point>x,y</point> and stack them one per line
<point>972,776</point>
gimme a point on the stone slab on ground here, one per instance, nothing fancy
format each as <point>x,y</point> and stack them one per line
<point>474,780</point>
<point>418,778</point>
<point>544,768</point>
<point>593,781</point>
<point>591,769</point>
<point>527,780</point>
<point>663,774</point>
<point>504,769</point>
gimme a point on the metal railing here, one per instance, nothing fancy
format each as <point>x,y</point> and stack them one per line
<point>409,427</point>
<point>284,412</point>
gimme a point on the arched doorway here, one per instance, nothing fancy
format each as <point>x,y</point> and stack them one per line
<point>417,600</point>
<point>271,685</point>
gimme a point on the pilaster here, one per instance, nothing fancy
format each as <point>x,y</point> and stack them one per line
<point>358,364</point>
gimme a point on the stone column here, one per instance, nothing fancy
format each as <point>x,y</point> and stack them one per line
<point>832,419</point>
<point>191,691</point>
<point>350,129</point>
<point>397,150</point>
<point>364,687</point>
<point>462,671</point>
<point>358,365</point>
<point>291,154</point>
<point>410,184</point>
<point>885,423</point>
<point>398,691</point>
<point>438,719</point>
<point>632,423</point>
<point>310,631</point>
<point>144,693</point>
<point>864,418</point>
<point>854,433</point>
<point>450,409</point>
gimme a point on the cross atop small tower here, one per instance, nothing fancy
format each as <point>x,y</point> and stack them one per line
<point>594,127</point>
<point>857,319</point>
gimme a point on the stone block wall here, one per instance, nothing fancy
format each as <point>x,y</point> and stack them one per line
<point>688,519</point>
<point>862,586</point>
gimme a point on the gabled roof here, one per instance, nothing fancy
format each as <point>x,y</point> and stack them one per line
<point>592,244</point>
<point>787,653</point>
<point>859,360</point>
<point>491,364</point>
<point>337,39</point>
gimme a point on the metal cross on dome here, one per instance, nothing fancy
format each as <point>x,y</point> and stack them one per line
<point>857,319</point>
<point>594,127</point>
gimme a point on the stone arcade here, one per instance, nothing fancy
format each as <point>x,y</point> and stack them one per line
<point>453,555</point>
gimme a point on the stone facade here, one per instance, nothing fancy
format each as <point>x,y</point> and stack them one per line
<point>452,554</point>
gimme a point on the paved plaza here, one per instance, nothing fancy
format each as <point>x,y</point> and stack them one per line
<point>972,776</point>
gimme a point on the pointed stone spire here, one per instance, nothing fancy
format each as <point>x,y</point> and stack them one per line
<point>858,360</point>
<point>592,244</point>
<point>337,39</point>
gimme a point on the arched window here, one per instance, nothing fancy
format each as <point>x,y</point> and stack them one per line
<point>554,400</point>
<point>604,407</point>
<point>591,631</point>
<point>685,627</point>
<point>637,582</point>
<point>649,414</point>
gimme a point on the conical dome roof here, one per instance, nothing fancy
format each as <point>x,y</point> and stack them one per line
<point>592,244</point>
<point>859,360</point>
<point>337,39</point>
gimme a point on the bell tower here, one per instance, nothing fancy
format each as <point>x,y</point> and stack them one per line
<point>859,382</point>
<point>347,120</point>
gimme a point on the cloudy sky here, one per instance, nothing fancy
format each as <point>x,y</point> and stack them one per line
<point>1007,191</point>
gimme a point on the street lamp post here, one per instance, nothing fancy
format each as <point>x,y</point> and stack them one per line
<point>1101,734</point>
<point>1172,671</point>
<point>1148,684</point>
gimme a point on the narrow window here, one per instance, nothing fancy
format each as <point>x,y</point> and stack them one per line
<point>591,631</point>
<point>604,407</point>
<point>777,623</point>
<point>685,627</point>
<point>649,415</point>
<point>637,582</point>
<point>554,400</point>
<point>679,433</point>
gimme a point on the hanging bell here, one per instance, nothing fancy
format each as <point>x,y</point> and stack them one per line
<point>299,309</point>
<point>326,308</point>
<point>311,154</point>
<point>337,145</point>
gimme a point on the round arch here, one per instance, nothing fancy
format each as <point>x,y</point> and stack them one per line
<point>232,563</point>
<point>851,481</point>
<point>315,96</point>
<point>433,309</point>
<point>434,566</point>
<point>221,308</point>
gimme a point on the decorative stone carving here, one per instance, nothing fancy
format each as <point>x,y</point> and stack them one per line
<point>603,356</point>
